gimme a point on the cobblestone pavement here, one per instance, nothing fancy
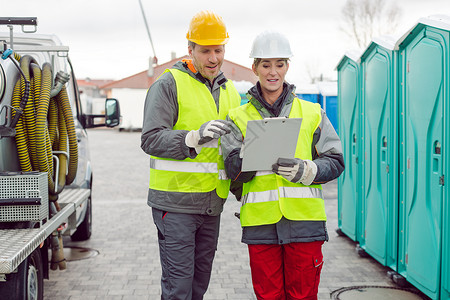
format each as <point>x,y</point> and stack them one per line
<point>127,265</point>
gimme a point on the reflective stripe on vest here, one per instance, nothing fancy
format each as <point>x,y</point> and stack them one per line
<point>182,166</point>
<point>264,196</point>
<point>205,172</point>
<point>299,192</point>
<point>283,192</point>
<point>268,197</point>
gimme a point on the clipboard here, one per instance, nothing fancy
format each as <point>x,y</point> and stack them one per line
<point>268,139</point>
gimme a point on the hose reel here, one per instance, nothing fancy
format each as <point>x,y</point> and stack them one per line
<point>45,129</point>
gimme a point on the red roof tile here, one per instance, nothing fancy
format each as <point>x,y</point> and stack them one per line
<point>141,80</point>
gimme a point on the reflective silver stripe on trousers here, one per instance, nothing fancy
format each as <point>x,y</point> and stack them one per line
<point>183,166</point>
<point>285,192</point>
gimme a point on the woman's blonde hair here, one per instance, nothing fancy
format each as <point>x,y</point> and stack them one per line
<point>257,61</point>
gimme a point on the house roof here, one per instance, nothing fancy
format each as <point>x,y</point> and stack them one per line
<point>93,82</point>
<point>141,80</point>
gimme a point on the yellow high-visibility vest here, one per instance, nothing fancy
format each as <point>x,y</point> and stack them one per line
<point>268,196</point>
<point>206,172</point>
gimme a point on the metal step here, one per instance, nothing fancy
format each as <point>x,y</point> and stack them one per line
<point>17,244</point>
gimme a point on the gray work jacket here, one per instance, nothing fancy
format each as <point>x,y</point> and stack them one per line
<point>326,152</point>
<point>159,139</point>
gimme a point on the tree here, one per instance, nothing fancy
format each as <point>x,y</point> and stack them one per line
<point>364,19</point>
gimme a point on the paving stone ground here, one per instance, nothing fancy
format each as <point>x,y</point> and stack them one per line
<point>127,265</point>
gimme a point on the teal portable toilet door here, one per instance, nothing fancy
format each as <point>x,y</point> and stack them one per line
<point>424,60</point>
<point>378,134</point>
<point>348,182</point>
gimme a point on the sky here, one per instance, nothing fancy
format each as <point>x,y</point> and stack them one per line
<point>108,39</point>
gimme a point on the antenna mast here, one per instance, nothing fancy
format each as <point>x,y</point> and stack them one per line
<point>146,27</point>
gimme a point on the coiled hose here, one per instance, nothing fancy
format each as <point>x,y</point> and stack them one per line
<point>46,125</point>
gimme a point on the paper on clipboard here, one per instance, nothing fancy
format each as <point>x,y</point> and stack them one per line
<point>268,139</point>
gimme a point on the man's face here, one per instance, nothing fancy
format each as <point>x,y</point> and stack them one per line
<point>207,59</point>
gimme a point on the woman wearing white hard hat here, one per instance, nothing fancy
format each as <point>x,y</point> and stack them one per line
<point>283,215</point>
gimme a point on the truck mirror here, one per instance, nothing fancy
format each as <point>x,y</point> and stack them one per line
<point>112,112</point>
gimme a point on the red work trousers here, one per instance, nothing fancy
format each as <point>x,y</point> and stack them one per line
<point>286,272</point>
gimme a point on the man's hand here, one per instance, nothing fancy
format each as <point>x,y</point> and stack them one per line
<point>207,132</point>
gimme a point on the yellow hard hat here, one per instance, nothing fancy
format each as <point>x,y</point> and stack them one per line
<point>207,28</point>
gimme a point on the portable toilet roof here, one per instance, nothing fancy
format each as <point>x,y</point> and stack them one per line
<point>438,21</point>
<point>389,42</point>
<point>386,41</point>
<point>353,55</point>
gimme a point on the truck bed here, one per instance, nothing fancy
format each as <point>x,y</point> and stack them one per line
<point>17,244</point>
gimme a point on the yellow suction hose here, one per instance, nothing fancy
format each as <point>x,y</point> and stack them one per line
<point>63,99</point>
<point>46,125</point>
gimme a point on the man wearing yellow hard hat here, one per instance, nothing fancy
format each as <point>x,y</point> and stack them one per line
<point>184,118</point>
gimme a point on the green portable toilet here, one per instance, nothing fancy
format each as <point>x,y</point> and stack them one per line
<point>379,199</point>
<point>349,118</point>
<point>424,94</point>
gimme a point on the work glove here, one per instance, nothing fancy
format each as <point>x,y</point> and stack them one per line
<point>296,170</point>
<point>207,132</point>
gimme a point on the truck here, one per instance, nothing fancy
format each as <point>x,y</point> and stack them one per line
<point>45,171</point>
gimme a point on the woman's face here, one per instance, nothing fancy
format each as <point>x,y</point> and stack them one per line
<point>271,73</point>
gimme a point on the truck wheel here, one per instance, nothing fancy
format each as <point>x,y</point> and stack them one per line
<point>84,231</point>
<point>28,282</point>
<point>35,277</point>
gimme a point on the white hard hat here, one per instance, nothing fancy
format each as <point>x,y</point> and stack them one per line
<point>271,44</point>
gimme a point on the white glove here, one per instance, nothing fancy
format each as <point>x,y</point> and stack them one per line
<point>296,170</point>
<point>207,132</point>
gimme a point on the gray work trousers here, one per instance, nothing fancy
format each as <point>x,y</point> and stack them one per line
<point>187,245</point>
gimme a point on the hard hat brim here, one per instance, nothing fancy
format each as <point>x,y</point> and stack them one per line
<point>209,42</point>
<point>269,56</point>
